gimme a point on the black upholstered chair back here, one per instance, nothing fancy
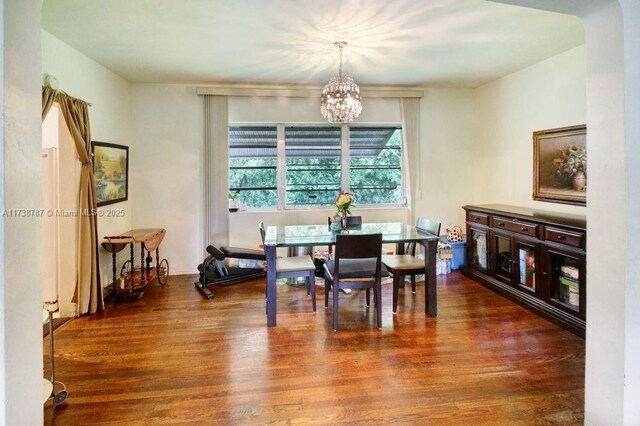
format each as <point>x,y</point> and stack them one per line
<point>361,257</point>
<point>354,221</point>
<point>364,246</point>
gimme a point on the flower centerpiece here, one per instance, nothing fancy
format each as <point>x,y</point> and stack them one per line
<point>344,201</point>
<point>572,164</point>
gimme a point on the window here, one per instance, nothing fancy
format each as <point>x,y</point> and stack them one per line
<point>253,163</point>
<point>313,165</point>
<point>286,167</point>
<point>375,165</point>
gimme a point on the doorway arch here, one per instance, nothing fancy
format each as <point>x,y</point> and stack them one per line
<point>613,336</point>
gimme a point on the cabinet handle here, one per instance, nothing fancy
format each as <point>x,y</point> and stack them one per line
<point>524,229</point>
<point>501,224</point>
<point>545,273</point>
<point>562,237</point>
<point>477,219</point>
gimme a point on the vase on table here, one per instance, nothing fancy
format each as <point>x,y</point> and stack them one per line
<point>579,181</point>
<point>336,227</point>
<point>344,219</point>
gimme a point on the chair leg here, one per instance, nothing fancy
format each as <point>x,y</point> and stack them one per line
<point>378,291</point>
<point>336,291</point>
<point>413,284</point>
<point>327,288</point>
<point>396,286</point>
<point>312,287</point>
<point>369,297</point>
<point>375,298</point>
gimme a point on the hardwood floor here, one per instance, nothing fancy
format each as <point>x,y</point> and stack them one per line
<point>174,357</point>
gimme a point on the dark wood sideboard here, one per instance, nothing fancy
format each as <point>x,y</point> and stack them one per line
<point>535,258</point>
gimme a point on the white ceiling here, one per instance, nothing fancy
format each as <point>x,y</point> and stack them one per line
<point>454,43</point>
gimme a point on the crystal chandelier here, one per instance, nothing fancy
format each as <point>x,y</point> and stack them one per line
<point>341,96</point>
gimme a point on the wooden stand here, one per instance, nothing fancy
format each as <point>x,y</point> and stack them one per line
<point>133,280</point>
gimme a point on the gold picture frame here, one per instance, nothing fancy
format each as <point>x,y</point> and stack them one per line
<point>560,165</point>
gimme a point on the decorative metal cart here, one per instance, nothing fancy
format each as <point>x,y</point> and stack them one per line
<point>133,280</point>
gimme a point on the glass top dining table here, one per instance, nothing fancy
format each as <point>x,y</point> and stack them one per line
<point>320,235</point>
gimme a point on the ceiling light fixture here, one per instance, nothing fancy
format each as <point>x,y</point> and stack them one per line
<point>341,96</point>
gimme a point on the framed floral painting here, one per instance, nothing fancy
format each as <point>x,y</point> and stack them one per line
<point>560,165</point>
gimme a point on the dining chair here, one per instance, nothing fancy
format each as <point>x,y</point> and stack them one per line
<point>352,221</point>
<point>293,267</point>
<point>357,265</point>
<point>424,225</point>
<point>409,264</point>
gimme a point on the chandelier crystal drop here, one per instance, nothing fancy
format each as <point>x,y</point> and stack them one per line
<point>341,101</point>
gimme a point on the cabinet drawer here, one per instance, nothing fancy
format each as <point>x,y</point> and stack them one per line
<point>482,219</point>
<point>517,226</point>
<point>571,238</point>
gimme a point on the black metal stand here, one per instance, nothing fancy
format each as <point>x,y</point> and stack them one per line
<point>58,397</point>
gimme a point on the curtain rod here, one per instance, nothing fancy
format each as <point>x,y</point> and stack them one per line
<point>66,94</point>
<point>304,92</point>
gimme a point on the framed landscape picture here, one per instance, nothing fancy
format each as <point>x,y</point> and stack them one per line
<point>111,171</point>
<point>560,165</point>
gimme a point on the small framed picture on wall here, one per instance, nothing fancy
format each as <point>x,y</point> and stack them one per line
<point>111,172</point>
<point>560,165</point>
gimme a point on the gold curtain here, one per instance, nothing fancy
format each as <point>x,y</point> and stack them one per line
<point>48,98</point>
<point>88,293</point>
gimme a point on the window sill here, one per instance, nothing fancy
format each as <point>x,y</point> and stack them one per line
<point>321,209</point>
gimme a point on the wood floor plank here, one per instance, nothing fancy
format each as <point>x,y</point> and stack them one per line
<point>175,358</point>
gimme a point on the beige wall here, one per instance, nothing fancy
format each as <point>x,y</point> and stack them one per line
<point>630,18</point>
<point>167,169</point>
<point>608,270</point>
<point>447,137</point>
<point>20,237</point>
<point>110,115</point>
<point>546,95</point>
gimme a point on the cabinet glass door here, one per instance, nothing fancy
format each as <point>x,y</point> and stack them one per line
<point>503,263</point>
<point>566,277</point>
<point>479,249</point>
<point>526,266</point>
